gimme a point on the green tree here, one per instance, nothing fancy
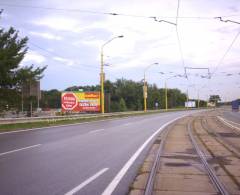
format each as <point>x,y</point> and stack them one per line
<point>122,105</point>
<point>12,51</point>
<point>51,99</point>
<point>131,93</point>
<point>12,77</point>
<point>214,98</point>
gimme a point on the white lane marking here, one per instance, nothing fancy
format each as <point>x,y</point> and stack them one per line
<point>25,148</point>
<point>111,187</point>
<point>86,182</point>
<point>95,131</point>
<point>228,122</point>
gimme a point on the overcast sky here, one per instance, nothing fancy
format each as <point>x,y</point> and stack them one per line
<point>68,39</point>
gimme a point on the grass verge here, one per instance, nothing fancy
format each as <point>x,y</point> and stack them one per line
<point>48,123</point>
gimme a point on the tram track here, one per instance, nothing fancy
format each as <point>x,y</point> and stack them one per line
<point>192,159</point>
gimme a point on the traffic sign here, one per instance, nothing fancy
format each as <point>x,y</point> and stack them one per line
<point>69,101</point>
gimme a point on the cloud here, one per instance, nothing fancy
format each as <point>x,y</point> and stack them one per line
<point>204,40</point>
<point>33,57</point>
<point>46,35</point>
<point>64,60</point>
<point>58,23</point>
<point>68,24</point>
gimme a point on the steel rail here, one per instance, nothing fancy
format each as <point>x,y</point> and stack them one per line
<point>150,182</point>
<point>231,147</point>
<point>213,177</point>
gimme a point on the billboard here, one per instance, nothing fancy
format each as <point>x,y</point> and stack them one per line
<point>76,101</point>
<point>190,104</point>
<point>31,88</point>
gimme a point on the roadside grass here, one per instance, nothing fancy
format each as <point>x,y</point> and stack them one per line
<point>52,122</point>
<point>49,123</point>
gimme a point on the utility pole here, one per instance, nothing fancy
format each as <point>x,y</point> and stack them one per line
<point>145,93</point>
<point>145,86</point>
<point>166,98</point>
<point>102,74</point>
<point>198,99</point>
<point>22,99</point>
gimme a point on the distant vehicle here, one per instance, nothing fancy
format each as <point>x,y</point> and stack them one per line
<point>235,105</point>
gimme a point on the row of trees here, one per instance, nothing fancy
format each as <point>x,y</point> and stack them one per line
<point>122,95</point>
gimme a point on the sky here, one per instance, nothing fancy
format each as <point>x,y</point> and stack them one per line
<point>67,36</point>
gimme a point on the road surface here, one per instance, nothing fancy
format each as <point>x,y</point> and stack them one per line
<point>232,116</point>
<point>78,159</point>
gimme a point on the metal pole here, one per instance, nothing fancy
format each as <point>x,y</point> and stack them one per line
<point>144,94</point>
<point>198,99</point>
<point>166,99</point>
<point>31,108</point>
<point>22,99</point>
<point>102,82</point>
<point>38,101</point>
<point>145,86</point>
<point>102,73</point>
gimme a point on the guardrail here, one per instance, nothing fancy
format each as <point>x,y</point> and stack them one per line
<point>69,117</point>
<point>80,116</point>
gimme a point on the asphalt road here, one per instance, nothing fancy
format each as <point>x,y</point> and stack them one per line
<point>232,116</point>
<point>78,159</point>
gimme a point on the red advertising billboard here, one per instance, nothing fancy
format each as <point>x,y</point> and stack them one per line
<point>80,101</point>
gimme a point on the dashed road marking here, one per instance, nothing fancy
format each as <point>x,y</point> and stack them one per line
<point>86,182</point>
<point>20,149</point>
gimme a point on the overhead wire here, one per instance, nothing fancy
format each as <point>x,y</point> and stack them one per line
<point>112,13</point>
<point>59,56</point>
<point>54,54</point>
<point>179,41</point>
<point>222,59</point>
<point>226,52</point>
<point>138,16</point>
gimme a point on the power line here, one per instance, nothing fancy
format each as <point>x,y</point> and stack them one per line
<point>111,13</point>
<point>178,39</point>
<point>52,8</point>
<point>232,21</point>
<point>157,20</point>
<point>226,52</point>
<point>54,54</point>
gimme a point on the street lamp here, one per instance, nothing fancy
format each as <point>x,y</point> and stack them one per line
<point>102,76</point>
<point>145,86</point>
<point>166,98</point>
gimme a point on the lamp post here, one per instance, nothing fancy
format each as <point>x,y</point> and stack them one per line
<point>145,86</point>
<point>102,76</point>
<point>166,90</point>
<point>198,102</point>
